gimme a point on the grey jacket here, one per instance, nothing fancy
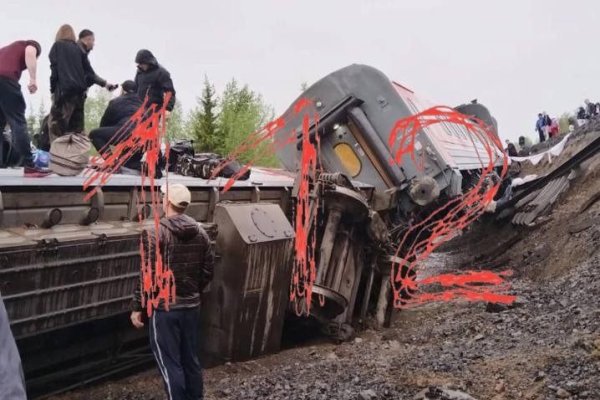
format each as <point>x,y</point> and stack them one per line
<point>12,385</point>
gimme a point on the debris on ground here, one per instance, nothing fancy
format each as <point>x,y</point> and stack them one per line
<point>544,346</point>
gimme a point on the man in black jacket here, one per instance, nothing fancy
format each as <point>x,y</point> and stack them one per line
<point>153,80</point>
<point>186,249</point>
<point>86,43</point>
<point>117,114</point>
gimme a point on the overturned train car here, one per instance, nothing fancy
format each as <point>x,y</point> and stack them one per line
<point>68,267</point>
<point>358,107</point>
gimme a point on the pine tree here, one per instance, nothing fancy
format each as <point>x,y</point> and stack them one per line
<point>203,121</point>
<point>95,106</point>
<point>242,113</point>
<point>32,123</point>
<point>41,113</point>
<point>176,128</point>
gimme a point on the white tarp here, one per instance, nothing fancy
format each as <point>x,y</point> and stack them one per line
<point>553,151</point>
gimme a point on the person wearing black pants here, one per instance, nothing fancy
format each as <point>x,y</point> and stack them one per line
<point>68,84</point>
<point>187,251</point>
<point>12,112</point>
<point>14,59</point>
<point>116,116</point>
<point>176,352</point>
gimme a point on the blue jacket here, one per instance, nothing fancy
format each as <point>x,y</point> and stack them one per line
<point>539,125</point>
<point>12,384</point>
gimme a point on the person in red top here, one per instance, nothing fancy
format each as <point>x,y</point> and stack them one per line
<point>14,59</point>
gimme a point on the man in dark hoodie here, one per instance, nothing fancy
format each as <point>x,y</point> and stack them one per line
<point>187,251</point>
<point>117,114</point>
<point>153,80</point>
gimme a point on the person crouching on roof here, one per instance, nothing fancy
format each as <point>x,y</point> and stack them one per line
<point>115,126</point>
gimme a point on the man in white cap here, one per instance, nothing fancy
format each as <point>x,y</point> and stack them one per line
<point>187,251</point>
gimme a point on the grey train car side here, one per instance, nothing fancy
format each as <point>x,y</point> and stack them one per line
<point>358,107</point>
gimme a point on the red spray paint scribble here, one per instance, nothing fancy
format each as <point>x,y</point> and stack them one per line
<point>422,238</point>
<point>448,219</point>
<point>144,133</point>
<point>304,269</point>
<point>470,285</point>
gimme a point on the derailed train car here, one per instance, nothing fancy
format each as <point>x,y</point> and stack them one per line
<point>68,267</point>
<point>358,107</point>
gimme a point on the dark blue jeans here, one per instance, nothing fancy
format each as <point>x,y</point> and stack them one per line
<point>12,112</point>
<point>174,342</point>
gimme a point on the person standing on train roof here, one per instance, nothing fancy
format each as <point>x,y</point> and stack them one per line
<point>14,59</point>
<point>154,82</point>
<point>86,42</point>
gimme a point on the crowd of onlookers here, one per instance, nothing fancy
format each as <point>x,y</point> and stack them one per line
<point>548,128</point>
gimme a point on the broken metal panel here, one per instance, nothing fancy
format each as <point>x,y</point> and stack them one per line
<point>243,312</point>
<point>338,270</point>
<point>543,202</point>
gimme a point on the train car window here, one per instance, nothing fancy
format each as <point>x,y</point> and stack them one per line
<point>348,158</point>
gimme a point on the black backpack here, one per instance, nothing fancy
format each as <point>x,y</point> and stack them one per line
<point>178,149</point>
<point>202,166</point>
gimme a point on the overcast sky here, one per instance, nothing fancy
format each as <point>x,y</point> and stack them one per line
<point>518,57</point>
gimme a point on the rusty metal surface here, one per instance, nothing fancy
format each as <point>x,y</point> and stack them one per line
<point>543,202</point>
<point>70,273</point>
<point>245,308</point>
<point>59,277</point>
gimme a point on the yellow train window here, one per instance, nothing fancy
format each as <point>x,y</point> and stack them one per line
<point>348,158</point>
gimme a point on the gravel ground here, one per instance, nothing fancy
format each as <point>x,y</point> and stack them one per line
<point>545,346</point>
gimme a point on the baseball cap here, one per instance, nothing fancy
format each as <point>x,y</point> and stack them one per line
<point>177,194</point>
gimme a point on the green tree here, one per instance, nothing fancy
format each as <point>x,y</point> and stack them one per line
<point>242,112</point>
<point>95,106</point>
<point>563,123</point>
<point>32,122</point>
<point>176,127</point>
<point>41,113</point>
<point>203,121</point>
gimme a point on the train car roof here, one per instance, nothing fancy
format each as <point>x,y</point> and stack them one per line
<point>261,177</point>
<point>258,177</point>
